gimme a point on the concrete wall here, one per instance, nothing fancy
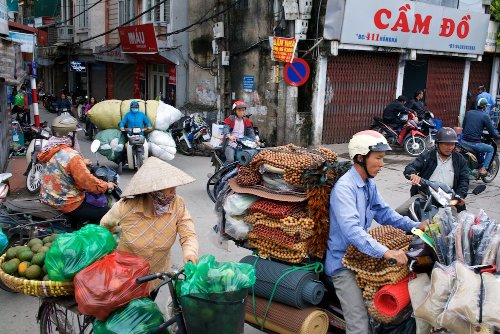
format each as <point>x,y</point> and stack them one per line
<point>180,45</point>
<point>4,128</point>
<point>113,38</point>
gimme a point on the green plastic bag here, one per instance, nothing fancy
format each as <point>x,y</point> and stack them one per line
<point>72,252</point>
<point>210,276</point>
<point>140,316</point>
<point>112,144</point>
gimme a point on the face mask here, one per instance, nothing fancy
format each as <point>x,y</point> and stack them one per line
<point>134,110</point>
<point>161,202</point>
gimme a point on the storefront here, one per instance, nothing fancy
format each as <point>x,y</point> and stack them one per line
<point>154,76</point>
<point>397,48</point>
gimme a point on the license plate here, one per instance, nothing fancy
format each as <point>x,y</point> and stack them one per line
<point>206,136</point>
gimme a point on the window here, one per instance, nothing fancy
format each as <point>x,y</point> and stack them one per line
<point>83,19</point>
<point>67,12</point>
<point>160,14</point>
<point>125,11</point>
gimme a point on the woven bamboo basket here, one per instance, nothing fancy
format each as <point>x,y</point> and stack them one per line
<point>36,288</point>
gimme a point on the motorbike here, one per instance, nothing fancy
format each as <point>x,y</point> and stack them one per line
<point>411,138</point>
<point>190,133</point>
<point>428,127</point>
<point>50,102</point>
<point>34,168</point>
<point>80,102</point>
<point>475,159</point>
<point>136,147</point>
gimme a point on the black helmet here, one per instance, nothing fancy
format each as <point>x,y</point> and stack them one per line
<point>446,135</point>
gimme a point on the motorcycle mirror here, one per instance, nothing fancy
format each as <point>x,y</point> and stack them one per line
<point>94,147</point>
<point>479,189</point>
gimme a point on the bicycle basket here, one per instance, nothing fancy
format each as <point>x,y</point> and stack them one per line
<point>214,312</point>
<point>35,288</point>
<point>136,140</point>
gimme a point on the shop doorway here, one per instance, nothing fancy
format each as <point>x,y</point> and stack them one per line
<point>158,81</point>
<point>415,76</point>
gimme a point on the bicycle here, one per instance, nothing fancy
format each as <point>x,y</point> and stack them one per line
<point>61,315</point>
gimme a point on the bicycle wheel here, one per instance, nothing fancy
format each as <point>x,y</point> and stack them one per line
<point>57,318</point>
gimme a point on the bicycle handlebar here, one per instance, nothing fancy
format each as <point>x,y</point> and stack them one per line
<point>148,278</point>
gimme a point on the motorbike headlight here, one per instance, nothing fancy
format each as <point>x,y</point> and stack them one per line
<point>431,114</point>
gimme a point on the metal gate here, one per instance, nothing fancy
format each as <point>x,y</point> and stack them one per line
<point>444,88</point>
<point>358,87</point>
<point>480,74</point>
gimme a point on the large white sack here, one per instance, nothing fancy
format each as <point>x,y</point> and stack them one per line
<point>166,115</point>
<point>164,153</point>
<point>161,138</point>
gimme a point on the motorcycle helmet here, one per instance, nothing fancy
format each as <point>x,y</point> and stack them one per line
<point>482,102</point>
<point>63,125</point>
<point>367,141</point>
<point>239,104</point>
<point>446,135</point>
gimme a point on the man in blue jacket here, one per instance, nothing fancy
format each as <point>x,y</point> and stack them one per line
<point>354,203</point>
<point>134,118</point>
<point>483,94</point>
<point>475,122</point>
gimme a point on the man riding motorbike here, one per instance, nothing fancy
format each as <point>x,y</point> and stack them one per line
<point>417,104</point>
<point>475,121</point>
<point>66,177</point>
<point>354,203</point>
<point>393,113</point>
<point>134,118</point>
<point>236,126</point>
<point>483,94</point>
<point>441,164</point>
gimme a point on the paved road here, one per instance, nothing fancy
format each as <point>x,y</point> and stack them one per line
<point>17,312</point>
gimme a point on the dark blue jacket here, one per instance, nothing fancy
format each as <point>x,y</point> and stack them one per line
<point>475,121</point>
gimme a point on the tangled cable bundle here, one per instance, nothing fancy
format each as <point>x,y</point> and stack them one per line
<point>372,273</point>
<point>277,210</point>
<point>248,176</point>
<point>319,204</point>
<point>294,160</point>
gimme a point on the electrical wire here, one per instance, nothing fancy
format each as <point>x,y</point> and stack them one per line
<point>71,18</point>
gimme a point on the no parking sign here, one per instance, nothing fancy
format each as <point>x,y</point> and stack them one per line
<point>297,72</point>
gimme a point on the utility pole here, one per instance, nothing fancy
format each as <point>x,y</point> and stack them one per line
<point>223,79</point>
<point>291,101</point>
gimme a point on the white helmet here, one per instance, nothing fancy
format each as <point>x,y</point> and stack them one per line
<point>367,141</point>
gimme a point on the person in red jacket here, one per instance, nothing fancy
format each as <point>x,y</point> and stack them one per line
<point>236,126</point>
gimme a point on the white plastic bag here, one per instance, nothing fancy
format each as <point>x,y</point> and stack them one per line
<point>236,227</point>
<point>162,145</point>
<point>237,204</point>
<point>166,116</point>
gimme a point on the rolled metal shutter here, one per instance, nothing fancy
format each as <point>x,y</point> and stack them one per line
<point>358,87</point>
<point>98,81</point>
<point>444,88</point>
<point>123,81</point>
<point>480,74</point>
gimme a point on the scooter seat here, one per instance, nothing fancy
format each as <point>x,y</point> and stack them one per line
<point>467,146</point>
<point>33,207</point>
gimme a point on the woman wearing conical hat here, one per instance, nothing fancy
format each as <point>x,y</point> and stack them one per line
<point>150,215</point>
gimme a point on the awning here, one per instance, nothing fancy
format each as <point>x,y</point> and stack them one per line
<point>153,58</point>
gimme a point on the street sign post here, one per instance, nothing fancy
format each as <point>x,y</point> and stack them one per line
<point>297,72</point>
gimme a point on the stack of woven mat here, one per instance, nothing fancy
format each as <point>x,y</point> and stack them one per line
<point>289,222</point>
<point>372,274</point>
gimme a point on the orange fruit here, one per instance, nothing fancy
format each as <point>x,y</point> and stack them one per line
<point>21,269</point>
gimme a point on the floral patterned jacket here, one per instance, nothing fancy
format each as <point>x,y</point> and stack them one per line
<point>65,178</point>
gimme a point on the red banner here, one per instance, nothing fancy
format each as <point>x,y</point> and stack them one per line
<point>172,79</point>
<point>283,49</point>
<point>138,39</point>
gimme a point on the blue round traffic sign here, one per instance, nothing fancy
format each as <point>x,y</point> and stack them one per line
<point>297,72</point>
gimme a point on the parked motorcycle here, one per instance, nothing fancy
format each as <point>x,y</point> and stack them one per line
<point>475,159</point>
<point>80,102</point>
<point>190,133</point>
<point>34,168</point>
<point>428,127</point>
<point>410,138</point>
<point>50,103</point>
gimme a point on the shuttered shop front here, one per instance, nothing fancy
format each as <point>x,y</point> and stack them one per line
<point>358,87</point>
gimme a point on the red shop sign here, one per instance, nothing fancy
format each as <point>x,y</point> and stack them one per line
<point>138,39</point>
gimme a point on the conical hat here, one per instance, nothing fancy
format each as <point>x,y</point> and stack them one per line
<point>156,175</point>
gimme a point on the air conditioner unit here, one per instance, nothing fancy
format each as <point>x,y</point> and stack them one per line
<point>219,30</point>
<point>305,8</point>
<point>291,8</point>
<point>65,34</point>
